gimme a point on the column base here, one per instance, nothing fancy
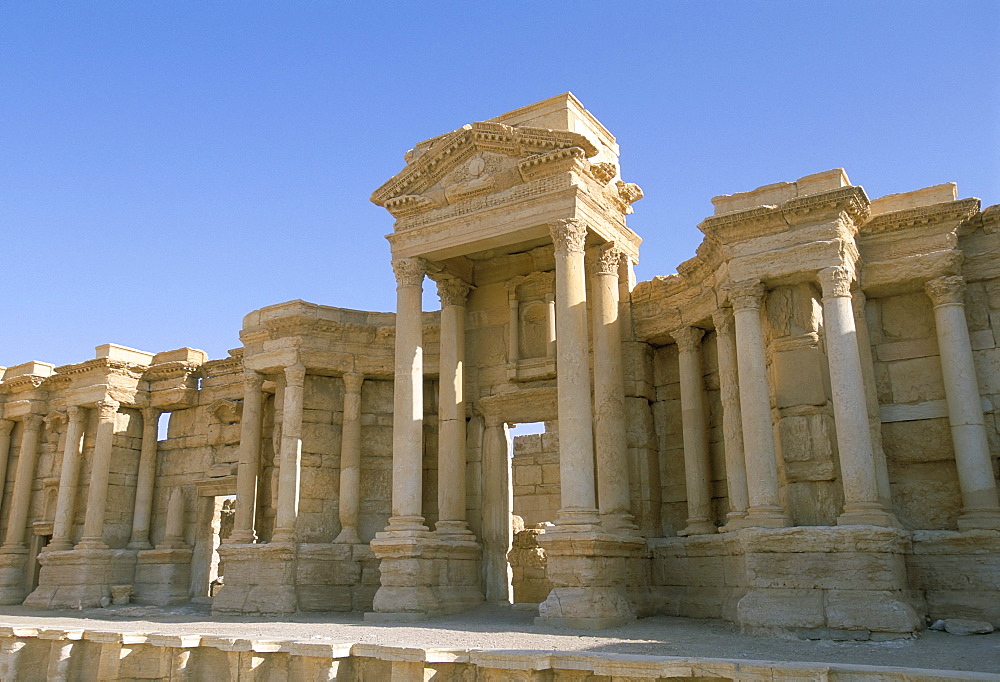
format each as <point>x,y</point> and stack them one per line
<point>767,517</point>
<point>423,577</point>
<point>240,537</point>
<point>347,536</point>
<point>80,578</point>
<point>406,524</point>
<point>12,578</point>
<point>620,524</point>
<point>94,543</point>
<point>979,519</point>
<point>579,520</point>
<point>283,536</point>
<point>698,527</point>
<point>588,573</point>
<point>867,515</point>
<point>734,521</point>
<point>459,529</point>
<point>260,580</point>
<point>162,576</point>
<point>139,545</point>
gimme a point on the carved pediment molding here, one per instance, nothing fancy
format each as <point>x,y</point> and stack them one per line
<point>450,150</point>
<point>951,212</point>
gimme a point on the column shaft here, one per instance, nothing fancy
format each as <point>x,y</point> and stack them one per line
<point>291,454</point>
<point>850,411</point>
<point>350,459</point>
<point>610,438</point>
<point>550,346</point>
<point>69,480</point>
<point>24,479</point>
<point>100,469</point>
<point>755,408</point>
<point>451,408</point>
<point>871,402</point>
<point>248,468</point>
<point>145,480</point>
<point>694,421</point>
<point>6,427</point>
<point>732,423</point>
<point>513,326</point>
<point>497,506</point>
<point>408,400</point>
<point>576,438</point>
<point>980,504</point>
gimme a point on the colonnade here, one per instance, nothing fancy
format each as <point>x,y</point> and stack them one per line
<point>588,435</point>
<point>407,430</point>
<point>751,467</point>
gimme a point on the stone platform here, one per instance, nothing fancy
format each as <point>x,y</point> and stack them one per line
<point>487,643</point>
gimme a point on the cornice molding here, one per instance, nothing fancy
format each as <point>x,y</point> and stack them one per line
<point>449,150</point>
<point>946,212</point>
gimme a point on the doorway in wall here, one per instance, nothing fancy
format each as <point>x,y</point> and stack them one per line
<point>534,459</point>
<point>207,570</point>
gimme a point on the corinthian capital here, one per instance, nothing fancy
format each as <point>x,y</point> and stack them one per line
<point>836,282</point>
<point>32,422</point>
<point>746,295</point>
<point>944,290</point>
<point>452,291</point>
<point>295,375</point>
<point>688,338</point>
<point>723,319</point>
<point>568,235</point>
<point>609,258</point>
<point>106,409</point>
<point>353,381</point>
<point>409,271</point>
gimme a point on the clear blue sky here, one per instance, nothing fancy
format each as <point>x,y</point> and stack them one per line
<point>167,167</point>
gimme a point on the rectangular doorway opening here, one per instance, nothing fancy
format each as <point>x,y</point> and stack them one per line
<point>534,459</point>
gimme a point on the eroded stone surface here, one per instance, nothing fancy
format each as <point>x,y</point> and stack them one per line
<point>820,382</point>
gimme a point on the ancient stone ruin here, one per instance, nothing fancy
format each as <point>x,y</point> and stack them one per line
<point>798,430</point>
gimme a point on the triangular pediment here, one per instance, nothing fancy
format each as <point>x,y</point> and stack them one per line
<point>430,162</point>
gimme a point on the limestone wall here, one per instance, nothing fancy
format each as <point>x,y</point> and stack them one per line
<point>666,411</point>
<point>535,468</point>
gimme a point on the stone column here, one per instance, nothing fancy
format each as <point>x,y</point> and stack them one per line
<point>6,426</point>
<point>69,480</point>
<point>514,323</point>
<point>858,301</point>
<point>550,346</point>
<point>350,459</point>
<point>145,480</point>
<point>576,438</point>
<point>291,454</point>
<point>732,423</point>
<point>694,421</point>
<point>408,399</point>
<point>610,438</point>
<point>100,469</point>
<point>980,505</point>
<point>854,443</point>
<point>24,479</point>
<point>451,409</point>
<point>755,408</point>
<point>497,507</point>
<point>248,468</point>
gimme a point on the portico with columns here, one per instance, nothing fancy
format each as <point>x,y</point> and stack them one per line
<point>797,429</point>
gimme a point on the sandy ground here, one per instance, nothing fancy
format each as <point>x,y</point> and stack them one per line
<point>491,627</point>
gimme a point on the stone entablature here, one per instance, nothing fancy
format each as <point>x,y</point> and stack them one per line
<point>815,392</point>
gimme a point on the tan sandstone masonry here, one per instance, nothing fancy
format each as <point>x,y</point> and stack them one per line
<point>799,429</point>
<point>28,653</point>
